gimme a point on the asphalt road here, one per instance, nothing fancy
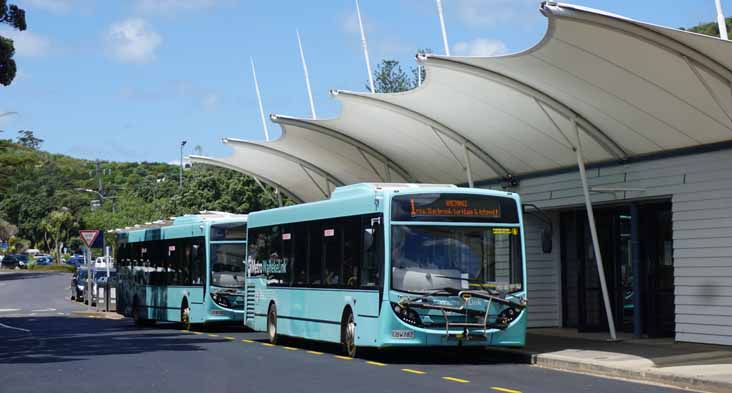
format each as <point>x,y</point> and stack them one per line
<point>45,348</point>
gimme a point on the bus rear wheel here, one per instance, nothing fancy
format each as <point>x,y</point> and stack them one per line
<point>185,316</point>
<point>272,324</point>
<point>348,334</point>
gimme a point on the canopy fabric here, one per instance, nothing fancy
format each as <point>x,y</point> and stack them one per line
<point>627,88</point>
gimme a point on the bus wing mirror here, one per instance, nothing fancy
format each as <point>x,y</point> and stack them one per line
<point>546,240</point>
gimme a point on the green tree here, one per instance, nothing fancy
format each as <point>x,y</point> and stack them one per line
<point>7,230</point>
<point>15,17</point>
<point>57,226</point>
<point>389,77</point>
<point>27,139</point>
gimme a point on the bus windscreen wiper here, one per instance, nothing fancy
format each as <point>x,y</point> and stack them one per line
<point>471,280</point>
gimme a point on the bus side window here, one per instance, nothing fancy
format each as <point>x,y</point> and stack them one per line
<point>199,262</point>
<point>332,235</point>
<point>315,253</point>
<point>351,251</point>
<point>370,261</point>
<point>300,254</point>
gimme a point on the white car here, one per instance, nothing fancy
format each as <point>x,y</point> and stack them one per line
<point>101,263</point>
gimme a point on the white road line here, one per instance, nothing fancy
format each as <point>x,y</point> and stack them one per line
<point>15,328</point>
<point>9,309</point>
<point>45,310</point>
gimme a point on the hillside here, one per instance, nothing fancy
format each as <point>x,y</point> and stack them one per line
<point>39,196</point>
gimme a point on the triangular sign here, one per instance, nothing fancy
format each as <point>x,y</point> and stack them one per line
<point>88,236</point>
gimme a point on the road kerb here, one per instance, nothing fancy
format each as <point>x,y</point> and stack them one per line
<point>639,375</point>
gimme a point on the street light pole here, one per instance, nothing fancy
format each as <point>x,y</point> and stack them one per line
<point>180,178</point>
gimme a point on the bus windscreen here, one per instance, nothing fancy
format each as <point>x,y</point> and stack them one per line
<point>454,207</point>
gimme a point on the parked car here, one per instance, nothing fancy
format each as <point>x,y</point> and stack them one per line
<point>76,260</point>
<point>101,263</point>
<point>44,260</point>
<point>22,261</point>
<point>10,262</point>
<point>78,284</point>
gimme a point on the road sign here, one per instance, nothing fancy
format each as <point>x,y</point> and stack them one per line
<point>89,236</point>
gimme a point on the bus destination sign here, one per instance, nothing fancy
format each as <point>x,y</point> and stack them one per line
<point>452,207</point>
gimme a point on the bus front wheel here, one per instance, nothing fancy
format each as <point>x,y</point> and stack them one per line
<point>272,324</point>
<point>348,334</point>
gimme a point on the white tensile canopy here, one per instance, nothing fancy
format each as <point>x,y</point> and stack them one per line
<point>597,88</point>
<point>631,88</point>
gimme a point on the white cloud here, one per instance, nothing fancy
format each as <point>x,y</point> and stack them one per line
<point>27,44</point>
<point>171,6</point>
<point>210,102</point>
<point>132,41</point>
<point>480,47</point>
<point>489,13</point>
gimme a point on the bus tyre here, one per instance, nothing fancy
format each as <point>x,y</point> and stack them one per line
<point>185,316</point>
<point>348,334</point>
<point>272,324</point>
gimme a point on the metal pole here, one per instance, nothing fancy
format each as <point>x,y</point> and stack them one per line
<point>593,232</point>
<point>180,176</point>
<point>365,48</point>
<point>442,26</point>
<point>636,266</point>
<point>307,76</point>
<point>468,170</point>
<point>721,22</point>
<point>88,278</point>
<point>419,75</point>
<point>259,100</point>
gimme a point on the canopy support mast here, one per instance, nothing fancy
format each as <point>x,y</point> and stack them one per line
<point>365,48</point>
<point>593,232</point>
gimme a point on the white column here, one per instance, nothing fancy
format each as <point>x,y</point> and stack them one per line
<point>593,232</point>
<point>468,170</point>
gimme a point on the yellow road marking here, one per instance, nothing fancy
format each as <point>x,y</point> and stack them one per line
<point>290,348</point>
<point>230,338</point>
<point>198,333</point>
<point>409,370</point>
<point>375,363</point>
<point>268,345</point>
<point>505,390</point>
<point>185,331</point>
<point>342,357</point>
<point>247,341</point>
<point>213,335</point>
<point>315,353</point>
<point>456,379</point>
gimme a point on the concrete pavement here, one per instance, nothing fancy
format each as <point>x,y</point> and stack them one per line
<point>684,365</point>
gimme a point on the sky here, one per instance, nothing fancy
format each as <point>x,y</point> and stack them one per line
<point>127,80</point>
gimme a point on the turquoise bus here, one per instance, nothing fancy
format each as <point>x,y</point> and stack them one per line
<point>389,265</point>
<point>189,270</point>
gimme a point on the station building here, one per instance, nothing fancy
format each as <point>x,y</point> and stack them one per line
<point>645,109</point>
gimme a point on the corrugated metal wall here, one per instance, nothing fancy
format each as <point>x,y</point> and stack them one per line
<point>700,188</point>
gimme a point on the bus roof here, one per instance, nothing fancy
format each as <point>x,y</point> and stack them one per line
<point>198,221</point>
<point>354,199</point>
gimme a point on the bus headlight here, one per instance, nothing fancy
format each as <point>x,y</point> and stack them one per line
<point>507,315</point>
<point>220,300</point>
<point>406,314</point>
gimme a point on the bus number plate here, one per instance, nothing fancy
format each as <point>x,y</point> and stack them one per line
<point>402,333</point>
